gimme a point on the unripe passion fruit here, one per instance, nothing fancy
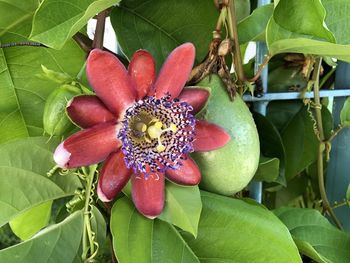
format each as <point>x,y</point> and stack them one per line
<point>55,119</point>
<point>229,169</point>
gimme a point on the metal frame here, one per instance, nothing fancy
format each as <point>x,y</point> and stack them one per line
<point>296,95</point>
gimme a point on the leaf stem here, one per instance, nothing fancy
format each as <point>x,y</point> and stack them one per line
<point>320,170</point>
<point>335,132</point>
<point>88,235</point>
<point>232,26</point>
<point>336,204</point>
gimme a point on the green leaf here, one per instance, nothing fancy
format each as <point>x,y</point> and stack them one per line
<point>53,27</point>
<point>306,249</point>
<point>282,40</point>
<point>16,16</point>
<point>232,230</point>
<point>296,188</point>
<point>345,113</point>
<point>99,226</point>
<point>24,163</point>
<point>139,26</point>
<point>271,145</point>
<point>285,78</point>
<point>279,113</point>
<point>308,46</point>
<point>56,243</point>
<point>338,19</point>
<point>319,239</point>
<point>300,143</point>
<point>253,27</point>
<point>23,94</point>
<point>268,169</point>
<point>148,25</point>
<point>38,216</point>
<point>311,21</point>
<point>137,238</point>
<point>183,207</point>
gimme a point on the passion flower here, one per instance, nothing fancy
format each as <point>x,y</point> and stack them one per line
<point>143,128</point>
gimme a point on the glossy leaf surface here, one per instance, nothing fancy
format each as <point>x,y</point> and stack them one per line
<point>53,27</point>
<point>232,230</point>
<point>315,236</point>
<point>183,207</point>
<point>149,240</point>
<point>57,243</point>
<point>24,183</point>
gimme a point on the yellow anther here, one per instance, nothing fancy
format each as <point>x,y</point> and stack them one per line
<point>140,126</point>
<point>173,127</point>
<point>160,148</point>
<point>154,132</point>
<point>158,124</point>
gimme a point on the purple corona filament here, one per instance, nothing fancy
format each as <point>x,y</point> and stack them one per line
<point>156,134</point>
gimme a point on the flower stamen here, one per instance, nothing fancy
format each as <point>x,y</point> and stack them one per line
<point>156,133</point>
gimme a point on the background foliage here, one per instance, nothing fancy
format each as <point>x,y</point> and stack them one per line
<point>196,226</point>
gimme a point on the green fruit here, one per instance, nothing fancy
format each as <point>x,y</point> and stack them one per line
<point>55,119</point>
<point>229,169</point>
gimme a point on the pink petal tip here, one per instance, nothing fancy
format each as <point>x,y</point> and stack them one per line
<point>61,156</point>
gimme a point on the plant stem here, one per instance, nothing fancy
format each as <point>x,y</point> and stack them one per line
<point>336,204</point>
<point>321,148</point>
<point>85,44</point>
<point>100,29</point>
<point>87,231</point>
<point>335,133</point>
<point>328,75</point>
<point>232,25</point>
<point>220,23</point>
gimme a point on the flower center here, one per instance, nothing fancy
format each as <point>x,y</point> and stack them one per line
<point>156,134</point>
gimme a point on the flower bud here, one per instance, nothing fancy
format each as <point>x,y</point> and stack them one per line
<point>55,120</point>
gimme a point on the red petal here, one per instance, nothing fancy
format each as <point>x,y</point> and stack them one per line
<point>148,194</point>
<point>113,177</point>
<point>187,174</point>
<point>88,146</point>
<point>87,111</point>
<point>209,137</point>
<point>142,70</point>
<point>196,97</point>
<point>110,80</point>
<point>175,71</point>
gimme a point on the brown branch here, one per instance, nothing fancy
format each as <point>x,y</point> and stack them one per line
<point>83,41</point>
<point>260,69</point>
<point>100,29</point>
<point>85,44</point>
<point>232,23</point>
